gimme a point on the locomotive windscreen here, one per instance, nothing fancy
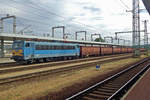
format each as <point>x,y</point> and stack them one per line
<point>17,45</point>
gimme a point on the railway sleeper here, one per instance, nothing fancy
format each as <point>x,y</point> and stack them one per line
<point>122,83</point>
<point>96,96</point>
<point>119,82</point>
<point>126,76</point>
<point>102,93</point>
<point>113,85</point>
<point>104,90</point>
<point>109,88</point>
<point>88,98</point>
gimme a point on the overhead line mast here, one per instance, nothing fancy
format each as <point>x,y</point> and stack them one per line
<point>136,27</point>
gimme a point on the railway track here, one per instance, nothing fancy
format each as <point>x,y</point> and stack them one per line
<point>51,64</point>
<point>115,86</point>
<point>14,64</point>
<point>8,78</point>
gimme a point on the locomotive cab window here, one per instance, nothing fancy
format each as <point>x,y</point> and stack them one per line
<point>17,45</point>
<point>27,45</point>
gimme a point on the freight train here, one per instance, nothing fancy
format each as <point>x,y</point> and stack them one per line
<point>34,51</point>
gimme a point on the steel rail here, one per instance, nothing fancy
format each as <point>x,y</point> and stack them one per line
<point>14,64</point>
<point>101,83</point>
<point>52,71</point>
<point>50,64</point>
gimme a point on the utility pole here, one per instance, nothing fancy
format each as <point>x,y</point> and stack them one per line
<point>109,38</point>
<point>2,26</point>
<point>7,17</point>
<point>145,33</point>
<point>136,27</point>
<point>2,54</point>
<point>63,27</point>
<point>94,35</point>
<point>66,35</point>
<point>145,36</point>
<point>80,32</point>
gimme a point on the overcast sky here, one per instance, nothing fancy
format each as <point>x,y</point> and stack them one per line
<point>94,16</point>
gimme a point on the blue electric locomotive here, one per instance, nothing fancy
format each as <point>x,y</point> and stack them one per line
<point>30,51</point>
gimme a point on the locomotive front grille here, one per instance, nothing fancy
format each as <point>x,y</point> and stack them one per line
<point>17,52</point>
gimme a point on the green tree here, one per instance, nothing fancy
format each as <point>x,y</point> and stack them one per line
<point>99,40</point>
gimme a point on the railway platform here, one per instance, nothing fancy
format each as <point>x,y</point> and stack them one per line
<point>6,60</point>
<point>141,90</point>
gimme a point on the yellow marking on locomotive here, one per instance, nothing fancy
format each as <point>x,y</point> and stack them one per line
<point>17,52</point>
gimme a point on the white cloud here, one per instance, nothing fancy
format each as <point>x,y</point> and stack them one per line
<point>106,16</point>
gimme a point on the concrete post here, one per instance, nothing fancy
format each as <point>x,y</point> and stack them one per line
<point>1,27</point>
<point>85,35</point>
<point>52,32</point>
<point>76,36</point>
<point>80,32</point>
<point>109,37</point>
<point>63,27</point>
<point>14,25</point>
<point>118,41</point>
<point>63,32</point>
<point>2,48</point>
